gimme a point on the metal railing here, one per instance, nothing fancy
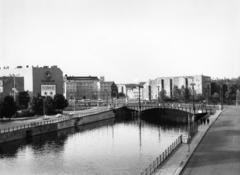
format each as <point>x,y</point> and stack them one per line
<point>160,160</point>
<point>49,121</point>
<point>187,108</point>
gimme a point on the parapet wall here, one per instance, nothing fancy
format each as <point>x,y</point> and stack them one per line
<point>50,126</point>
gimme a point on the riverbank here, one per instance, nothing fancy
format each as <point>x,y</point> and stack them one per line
<point>14,130</point>
<point>177,161</point>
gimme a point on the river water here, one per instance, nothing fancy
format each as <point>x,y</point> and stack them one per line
<point>107,147</point>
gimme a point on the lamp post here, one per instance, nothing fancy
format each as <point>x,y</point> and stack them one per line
<point>193,84</point>
<point>14,85</point>
<point>107,96</point>
<point>74,105</point>
<point>158,93</point>
<point>237,97</point>
<point>207,93</point>
<point>126,95</point>
<point>116,95</point>
<point>43,98</point>
<point>222,95</point>
<point>139,98</point>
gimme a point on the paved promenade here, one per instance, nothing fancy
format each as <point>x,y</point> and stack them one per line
<point>219,151</point>
<point>178,160</point>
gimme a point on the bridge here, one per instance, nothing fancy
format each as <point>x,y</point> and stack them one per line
<point>198,108</point>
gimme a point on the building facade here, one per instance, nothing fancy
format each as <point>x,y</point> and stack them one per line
<point>202,85</point>
<point>122,89</point>
<point>131,91</point>
<point>108,89</point>
<point>76,87</point>
<point>47,81</point>
<point>11,86</point>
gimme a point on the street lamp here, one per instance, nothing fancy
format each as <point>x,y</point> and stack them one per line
<point>237,97</point>
<point>106,91</point>
<point>158,93</point>
<point>193,84</point>
<point>43,98</point>
<point>74,105</point>
<point>139,98</point>
<point>222,95</point>
<point>14,85</point>
<point>207,93</point>
<point>116,96</point>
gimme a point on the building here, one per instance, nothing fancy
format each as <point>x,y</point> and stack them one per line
<point>81,87</point>
<point>11,86</point>
<point>153,87</point>
<point>47,81</point>
<point>108,89</point>
<point>131,91</point>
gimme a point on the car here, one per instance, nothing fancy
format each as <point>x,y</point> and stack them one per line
<point>58,115</point>
<point>45,117</point>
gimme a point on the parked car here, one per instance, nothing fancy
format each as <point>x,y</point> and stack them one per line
<point>58,115</point>
<point>45,117</point>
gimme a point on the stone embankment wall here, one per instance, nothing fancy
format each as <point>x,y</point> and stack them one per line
<point>170,116</point>
<point>50,126</point>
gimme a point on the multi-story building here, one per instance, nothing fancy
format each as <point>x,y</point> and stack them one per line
<point>122,89</point>
<point>108,89</point>
<point>202,85</point>
<point>89,87</point>
<point>11,86</point>
<point>131,91</point>
<point>81,87</point>
<point>47,81</point>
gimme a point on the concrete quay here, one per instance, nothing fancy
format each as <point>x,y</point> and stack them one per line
<point>13,130</point>
<point>175,164</point>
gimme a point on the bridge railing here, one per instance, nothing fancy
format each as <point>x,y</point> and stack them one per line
<point>160,160</point>
<point>188,108</point>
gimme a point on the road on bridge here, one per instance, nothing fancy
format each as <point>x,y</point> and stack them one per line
<point>219,151</point>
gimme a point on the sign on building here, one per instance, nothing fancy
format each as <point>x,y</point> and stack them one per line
<point>48,90</point>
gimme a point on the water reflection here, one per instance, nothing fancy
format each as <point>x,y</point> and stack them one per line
<point>55,139</point>
<point>114,146</point>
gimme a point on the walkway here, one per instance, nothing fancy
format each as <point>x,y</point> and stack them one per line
<point>219,151</point>
<point>178,160</point>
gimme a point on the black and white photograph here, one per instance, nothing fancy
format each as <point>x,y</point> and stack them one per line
<point>119,87</point>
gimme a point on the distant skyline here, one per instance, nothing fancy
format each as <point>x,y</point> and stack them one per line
<point>125,41</point>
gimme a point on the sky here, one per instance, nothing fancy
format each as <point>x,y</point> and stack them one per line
<point>126,41</point>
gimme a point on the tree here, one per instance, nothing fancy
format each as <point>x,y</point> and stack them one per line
<point>8,107</point>
<point>60,102</point>
<point>36,104</point>
<point>215,98</point>
<point>23,99</point>
<point>176,93</point>
<point>48,105</point>
<point>200,97</point>
<point>162,95</point>
<point>184,94</point>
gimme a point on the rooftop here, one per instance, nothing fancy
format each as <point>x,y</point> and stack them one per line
<point>82,78</point>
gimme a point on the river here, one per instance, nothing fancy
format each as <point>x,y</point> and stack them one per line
<point>107,147</point>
